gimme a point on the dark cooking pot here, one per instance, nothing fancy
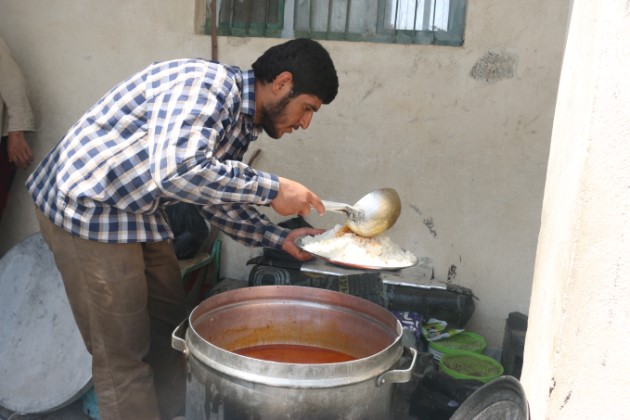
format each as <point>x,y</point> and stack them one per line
<point>222,384</point>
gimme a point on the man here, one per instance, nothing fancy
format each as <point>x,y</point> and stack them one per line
<point>176,131</point>
<point>16,117</point>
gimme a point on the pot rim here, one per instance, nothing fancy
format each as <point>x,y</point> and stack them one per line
<point>295,375</point>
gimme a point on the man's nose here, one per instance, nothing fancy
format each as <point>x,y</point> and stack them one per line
<point>305,121</point>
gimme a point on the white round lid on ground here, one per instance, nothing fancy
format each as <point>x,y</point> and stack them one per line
<point>44,363</point>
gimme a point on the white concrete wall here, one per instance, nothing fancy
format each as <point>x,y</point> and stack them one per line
<point>576,354</point>
<point>467,155</point>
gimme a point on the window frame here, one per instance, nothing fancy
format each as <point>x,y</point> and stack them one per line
<point>453,37</point>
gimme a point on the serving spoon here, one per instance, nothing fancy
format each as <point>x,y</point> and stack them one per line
<point>373,214</point>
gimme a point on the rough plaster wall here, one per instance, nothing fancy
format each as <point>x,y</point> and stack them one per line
<point>461,133</point>
<point>494,66</point>
<point>576,351</point>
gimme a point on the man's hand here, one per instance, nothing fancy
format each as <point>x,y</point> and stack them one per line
<point>291,248</point>
<point>295,198</point>
<point>18,149</point>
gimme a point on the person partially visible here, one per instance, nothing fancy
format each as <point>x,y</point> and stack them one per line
<point>16,117</point>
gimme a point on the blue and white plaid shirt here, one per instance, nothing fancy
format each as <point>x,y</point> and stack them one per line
<point>176,131</point>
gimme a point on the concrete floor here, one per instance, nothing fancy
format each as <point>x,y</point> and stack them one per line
<point>73,411</point>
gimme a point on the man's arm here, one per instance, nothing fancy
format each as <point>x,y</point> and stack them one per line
<point>249,227</point>
<point>20,118</point>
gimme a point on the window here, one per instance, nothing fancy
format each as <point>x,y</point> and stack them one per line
<point>438,22</point>
<point>250,18</point>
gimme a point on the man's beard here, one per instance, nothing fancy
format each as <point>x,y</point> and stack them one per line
<point>273,114</point>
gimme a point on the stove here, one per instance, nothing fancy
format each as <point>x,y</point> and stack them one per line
<point>404,290</point>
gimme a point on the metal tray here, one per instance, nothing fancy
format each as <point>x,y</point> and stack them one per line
<point>299,244</point>
<point>44,363</point>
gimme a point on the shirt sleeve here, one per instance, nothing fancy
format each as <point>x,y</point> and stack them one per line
<point>246,225</point>
<point>186,124</point>
<point>13,93</point>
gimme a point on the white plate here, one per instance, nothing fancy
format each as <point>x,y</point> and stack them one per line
<point>350,264</point>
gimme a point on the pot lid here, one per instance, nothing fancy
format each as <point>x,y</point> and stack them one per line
<point>44,363</point>
<point>503,398</point>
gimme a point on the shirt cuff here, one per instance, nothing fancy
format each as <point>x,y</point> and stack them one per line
<point>274,236</point>
<point>268,187</point>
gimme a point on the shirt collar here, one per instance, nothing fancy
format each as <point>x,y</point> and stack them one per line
<point>249,98</point>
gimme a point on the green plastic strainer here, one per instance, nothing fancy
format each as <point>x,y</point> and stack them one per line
<point>469,365</point>
<point>464,341</point>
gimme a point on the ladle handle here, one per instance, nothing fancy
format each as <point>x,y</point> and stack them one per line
<point>339,207</point>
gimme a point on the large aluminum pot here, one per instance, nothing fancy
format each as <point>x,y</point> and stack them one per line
<point>222,384</point>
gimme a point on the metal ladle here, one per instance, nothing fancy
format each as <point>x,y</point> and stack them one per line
<point>373,214</point>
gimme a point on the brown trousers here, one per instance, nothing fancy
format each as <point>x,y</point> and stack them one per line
<point>126,300</point>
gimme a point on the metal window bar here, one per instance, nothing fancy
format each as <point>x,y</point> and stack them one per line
<point>248,16</point>
<point>347,26</point>
<point>311,7</point>
<point>429,16</point>
<point>266,19</point>
<point>415,22</point>
<point>329,18</point>
<point>396,21</point>
<point>433,27</point>
<point>232,13</point>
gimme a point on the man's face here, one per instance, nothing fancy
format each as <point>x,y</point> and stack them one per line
<point>289,113</point>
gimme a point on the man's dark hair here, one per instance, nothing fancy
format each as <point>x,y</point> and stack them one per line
<point>309,63</point>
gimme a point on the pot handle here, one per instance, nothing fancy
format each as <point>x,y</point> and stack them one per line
<point>399,376</point>
<point>177,338</point>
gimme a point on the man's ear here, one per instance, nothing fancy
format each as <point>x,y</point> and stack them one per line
<point>283,83</point>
